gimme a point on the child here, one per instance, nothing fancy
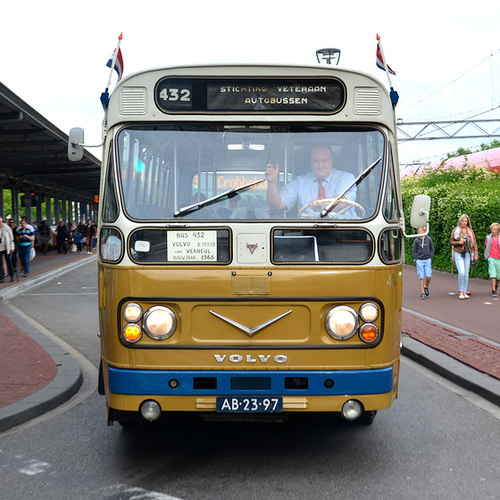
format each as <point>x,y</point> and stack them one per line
<point>492,253</point>
<point>423,251</point>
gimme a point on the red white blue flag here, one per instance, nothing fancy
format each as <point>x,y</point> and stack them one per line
<point>118,62</point>
<point>380,60</point>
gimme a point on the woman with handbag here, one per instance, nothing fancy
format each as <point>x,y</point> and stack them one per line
<point>463,241</point>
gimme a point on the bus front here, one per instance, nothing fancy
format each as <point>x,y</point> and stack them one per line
<point>229,283</point>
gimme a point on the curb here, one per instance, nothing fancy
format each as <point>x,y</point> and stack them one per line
<point>460,374</point>
<point>14,290</point>
<point>69,377</point>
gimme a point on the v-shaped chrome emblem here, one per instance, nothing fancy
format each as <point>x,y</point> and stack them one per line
<point>250,331</point>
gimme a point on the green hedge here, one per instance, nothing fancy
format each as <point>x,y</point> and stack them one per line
<point>470,190</point>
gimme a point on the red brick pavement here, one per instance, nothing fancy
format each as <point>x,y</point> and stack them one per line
<point>468,349</point>
<point>25,368</point>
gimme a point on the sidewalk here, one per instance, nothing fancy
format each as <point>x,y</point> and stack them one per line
<point>459,339</point>
<point>36,375</point>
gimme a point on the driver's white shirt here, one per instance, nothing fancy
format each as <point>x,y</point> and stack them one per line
<point>304,189</point>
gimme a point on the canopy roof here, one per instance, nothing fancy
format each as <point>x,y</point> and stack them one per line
<point>34,158</point>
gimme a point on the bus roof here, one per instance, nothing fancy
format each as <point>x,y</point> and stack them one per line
<point>365,99</point>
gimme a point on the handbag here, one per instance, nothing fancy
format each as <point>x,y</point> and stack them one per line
<point>32,253</point>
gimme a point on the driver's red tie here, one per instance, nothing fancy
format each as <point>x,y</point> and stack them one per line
<point>321,190</point>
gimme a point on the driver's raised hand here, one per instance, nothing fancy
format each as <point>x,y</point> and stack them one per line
<point>272,172</point>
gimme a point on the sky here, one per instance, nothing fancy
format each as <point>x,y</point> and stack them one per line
<point>446,55</point>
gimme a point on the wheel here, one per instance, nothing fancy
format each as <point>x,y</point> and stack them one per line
<point>100,381</point>
<point>326,201</point>
<point>366,418</point>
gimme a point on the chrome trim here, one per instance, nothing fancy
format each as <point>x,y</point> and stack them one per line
<point>245,329</point>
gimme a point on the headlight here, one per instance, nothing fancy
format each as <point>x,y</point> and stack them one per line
<point>342,322</point>
<point>132,332</point>
<point>368,333</point>
<point>369,312</point>
<point>132,312</point>
<point>159,322</point>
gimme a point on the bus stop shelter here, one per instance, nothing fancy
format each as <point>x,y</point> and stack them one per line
<point>34,167</point>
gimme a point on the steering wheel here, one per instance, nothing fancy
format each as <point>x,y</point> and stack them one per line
<point>326,201</point>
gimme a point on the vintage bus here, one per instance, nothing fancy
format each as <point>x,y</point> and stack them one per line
<point>214,300</point>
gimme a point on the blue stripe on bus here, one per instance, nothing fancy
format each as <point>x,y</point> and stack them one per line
<point>156,382</point>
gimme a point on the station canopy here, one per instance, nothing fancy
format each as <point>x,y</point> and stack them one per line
<point>34,155</point>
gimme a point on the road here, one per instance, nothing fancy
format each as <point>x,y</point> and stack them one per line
<point>436,441</point>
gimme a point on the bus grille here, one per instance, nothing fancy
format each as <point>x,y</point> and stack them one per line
<point>366,101</point>
<point>133,101</point>
<point>250,383</point>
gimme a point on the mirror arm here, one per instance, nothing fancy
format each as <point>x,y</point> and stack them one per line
<point>420,212</point>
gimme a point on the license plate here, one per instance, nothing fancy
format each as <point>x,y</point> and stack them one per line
<point>254,404</point>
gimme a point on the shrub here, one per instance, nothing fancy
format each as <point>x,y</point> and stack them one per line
<point>471,190</point>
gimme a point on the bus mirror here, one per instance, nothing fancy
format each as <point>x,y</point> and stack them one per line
<point>420,211</point>
<point>75,144</point>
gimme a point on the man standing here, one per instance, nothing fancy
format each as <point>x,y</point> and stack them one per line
<point>62,233</point>
<point>6,249</point>
<point>89,235</point>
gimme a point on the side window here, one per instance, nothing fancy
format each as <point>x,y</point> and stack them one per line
<point>110,209</point>
<point>111,245</point>
<point>391,243</point>
<point>391,211</point>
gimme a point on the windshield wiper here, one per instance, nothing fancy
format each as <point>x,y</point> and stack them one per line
<point>201,204</point>
<point>355,182</point>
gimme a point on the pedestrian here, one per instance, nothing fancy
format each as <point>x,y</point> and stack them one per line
<point>12,225</point>
<point>71,237</point>
<point>492,253</point>
<point>6,249</point>
<point>463,241</point>
<point>25,239</point>
<point>90,232</point>
<point>423,252</point>
<point>62,234</point>
<point>45,236</point>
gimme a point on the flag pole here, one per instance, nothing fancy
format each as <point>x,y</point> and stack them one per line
<point>383,60</point>
<point>105,94</point>
<point>394,95</point>
<point>115,55</point>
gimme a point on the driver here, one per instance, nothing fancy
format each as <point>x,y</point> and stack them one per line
<point>309,191</point>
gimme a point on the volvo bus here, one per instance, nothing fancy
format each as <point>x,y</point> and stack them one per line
<point>215,300</point>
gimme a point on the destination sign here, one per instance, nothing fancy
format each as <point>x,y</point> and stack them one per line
<point>269,95</point>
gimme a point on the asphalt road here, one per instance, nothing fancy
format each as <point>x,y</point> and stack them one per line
<point>436,441</point>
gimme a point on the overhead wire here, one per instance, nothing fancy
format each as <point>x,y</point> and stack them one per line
<point>490,57</point>
<point>493,106</point>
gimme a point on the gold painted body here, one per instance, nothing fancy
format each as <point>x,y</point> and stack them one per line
<point>309,292</point>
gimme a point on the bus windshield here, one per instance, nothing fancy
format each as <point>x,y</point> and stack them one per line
<point>218,171</point>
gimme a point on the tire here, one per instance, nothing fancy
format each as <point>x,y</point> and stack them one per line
<point>100,381</point>
<point>366,418</point>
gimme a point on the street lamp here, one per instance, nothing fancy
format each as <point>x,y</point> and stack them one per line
<point>328,55</point>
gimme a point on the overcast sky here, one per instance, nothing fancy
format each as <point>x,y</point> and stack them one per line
<point>53,53</point>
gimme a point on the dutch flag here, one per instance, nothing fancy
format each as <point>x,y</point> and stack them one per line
<point>380,61</point>
<point>118,62</point>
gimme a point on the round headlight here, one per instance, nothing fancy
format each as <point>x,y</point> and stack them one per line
<point>369,312</point>
<point>132,312</point>
<point>368,333</point>
<point>132,332</point>
<point>159,322</point>
<point>342,322</point>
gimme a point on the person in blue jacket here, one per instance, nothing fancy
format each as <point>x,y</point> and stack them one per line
<point>423,251</point>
